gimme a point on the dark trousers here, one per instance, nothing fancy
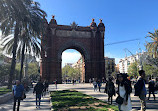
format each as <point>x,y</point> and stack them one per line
<point>110,99</point>
<point>151,91</point>
<point>38,99</point>
<point>14,106</point>
<point>119,107</point>
<point>99,88</point>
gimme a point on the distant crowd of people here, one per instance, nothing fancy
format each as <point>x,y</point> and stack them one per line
<point>124,89</point>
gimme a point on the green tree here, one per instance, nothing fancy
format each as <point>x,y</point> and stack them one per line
<point>27,44</point>
<point>152,61</point>
<point>17,71</point>
<point>4,70</point>
<point>70,72</point>
<point>65,71</point>
<point>133,69</point>
<point>152,47</point>
<point>16,15</point>
<point>33,71</point>
<point>150,70</point>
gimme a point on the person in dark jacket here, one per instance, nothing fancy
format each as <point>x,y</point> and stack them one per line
<point>140,90</point>
<point>18,92</point>
<point>46,85</point>
<point>151,87</point>
<point>38,89</point>
<point>110,89</point>
<point>99,85</point>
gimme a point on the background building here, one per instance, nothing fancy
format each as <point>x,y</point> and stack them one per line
<point>109,66</point>
<point>125,62</point>
<point>117,68</point>
<point>80,65</point>
<point>68,64</point>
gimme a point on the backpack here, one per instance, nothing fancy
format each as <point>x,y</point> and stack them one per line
<point>130,86</point>
<point>151,84</point>
<point>137,89</point>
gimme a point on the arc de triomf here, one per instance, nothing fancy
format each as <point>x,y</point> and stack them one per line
<point>89,41</point>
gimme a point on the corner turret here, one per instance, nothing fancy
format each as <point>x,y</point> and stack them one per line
<point>53,22</point>
<point>93,25</point>
<point>101,26</point>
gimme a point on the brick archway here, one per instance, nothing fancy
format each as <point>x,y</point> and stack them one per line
<point>74,45</point>
<point>89,41</point>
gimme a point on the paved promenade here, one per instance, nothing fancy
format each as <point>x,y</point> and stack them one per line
<point>88,89</point>
<point>29,103</point>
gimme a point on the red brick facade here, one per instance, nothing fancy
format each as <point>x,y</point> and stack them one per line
<point>89,41</point>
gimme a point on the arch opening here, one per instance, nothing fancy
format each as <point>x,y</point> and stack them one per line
<point>73,65</point>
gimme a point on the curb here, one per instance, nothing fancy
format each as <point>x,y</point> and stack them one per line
<point>51,106</point>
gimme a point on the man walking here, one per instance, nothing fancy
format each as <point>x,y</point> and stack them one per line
<point>56,82</point>
<point>151,87</point>
<point>39,90</point>
<point>140,90</point>
<point>18,92</point>
<point>99,85</point>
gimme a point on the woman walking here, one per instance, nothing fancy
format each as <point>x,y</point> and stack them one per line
<point>151,88</point>
<point>95,85</point>
<point>110,89</point>
<point>124,90</point>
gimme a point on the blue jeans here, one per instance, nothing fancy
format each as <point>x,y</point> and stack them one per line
<point>119,106</point>
<point>38,99</point>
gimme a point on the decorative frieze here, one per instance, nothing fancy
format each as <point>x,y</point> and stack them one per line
<point>73,33</point>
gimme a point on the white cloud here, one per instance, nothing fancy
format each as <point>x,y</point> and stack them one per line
<point>70,57</point>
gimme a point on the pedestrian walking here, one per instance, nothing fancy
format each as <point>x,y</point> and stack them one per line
<point>140,90</point>
<point>110,90</point>
<point>56,82</point>
<point>156,84</point>
<point>73,81</point>
<point>151,87</point>
<point>18,93</point>
<point>46,85</point>
<point>90,81</point>
<point>123,99</point>
<point>38,89</point>
<point>95,85</point>
<point>99,85</point>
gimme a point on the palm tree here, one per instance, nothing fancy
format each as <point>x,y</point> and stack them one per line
<point>152,46</point>
<point>16,15</point>
<point>27,44</point>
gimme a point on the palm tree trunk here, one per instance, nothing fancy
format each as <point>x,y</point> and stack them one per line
<point>13,63</point>
<point>22,60</point>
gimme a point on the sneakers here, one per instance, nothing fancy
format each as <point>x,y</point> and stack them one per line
<point>37,107</point>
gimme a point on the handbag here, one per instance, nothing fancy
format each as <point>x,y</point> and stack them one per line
<point>23,96</point>
<point>119,100</point>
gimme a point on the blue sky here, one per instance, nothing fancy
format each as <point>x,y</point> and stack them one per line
<point>123,19</point>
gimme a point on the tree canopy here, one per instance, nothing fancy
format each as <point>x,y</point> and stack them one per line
<point>17,17</point>
<point>133,69</point>
<point>152,46</point>
<point>70,72</point>
<point>150,70</point>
